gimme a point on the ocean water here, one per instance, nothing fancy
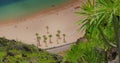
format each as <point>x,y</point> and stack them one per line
<point>10,9</point>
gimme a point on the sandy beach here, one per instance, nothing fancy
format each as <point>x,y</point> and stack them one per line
<point>61,18</point>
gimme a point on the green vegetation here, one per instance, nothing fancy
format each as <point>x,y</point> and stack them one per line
<point>91,52</point>
<point>101,25</point>
<point>45,40</point>
<point>50,36</point>
<point>58,34</point>
<point>38,39</point>
<point>12,51</point>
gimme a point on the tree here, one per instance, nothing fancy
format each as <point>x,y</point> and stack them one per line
<point>38,39</point>
<point>45,40</point>
<point>50,36</point>
<point>57,35</point>
<point>47,28</point>
<point>64,40</point>
<point>100,15</point>
<point>59,32</point>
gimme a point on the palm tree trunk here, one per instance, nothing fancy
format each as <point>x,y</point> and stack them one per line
<point>116,31</point>
<point>57,40</point>
<point>46,44</point>
<point>39,43</point>
<point>64,40</point>
<point>50,40</point>
<point>47,31</point>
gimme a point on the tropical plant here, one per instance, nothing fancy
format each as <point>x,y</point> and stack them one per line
<point>45,40</point>
<point>38,39</point>
<point>59,32</point>
<point>64,40</point>
<point>47,28</point>
<point>86,53</point>
<point>99,15</point>
<point>50,36</point>
<point>57,35</point>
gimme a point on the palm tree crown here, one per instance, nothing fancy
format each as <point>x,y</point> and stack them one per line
<point>58,31</point>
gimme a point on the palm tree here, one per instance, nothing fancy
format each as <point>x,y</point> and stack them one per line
<point>101,14</point>
<point>50,36</point>
<point>45,40</point>
<point>37,34</point>
<point>47,28</point>
<point>38,39</point>
<point>59,32</point>
<point>64,40</point>
<point>57,35</point>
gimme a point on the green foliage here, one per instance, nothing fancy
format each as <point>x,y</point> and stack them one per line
<point>98,19</point>
<point>100,26</point>
<point>15,51</point>
<point>90,52</point>
<point>98,13</point>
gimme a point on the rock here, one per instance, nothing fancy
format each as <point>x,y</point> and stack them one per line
<point>116,60</point>
<point>111,54</point>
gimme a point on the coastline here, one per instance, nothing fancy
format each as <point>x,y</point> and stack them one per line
<point>40,13</point>
<point>63,19</point>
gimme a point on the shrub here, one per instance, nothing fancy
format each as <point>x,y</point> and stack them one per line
<point>90,52</point>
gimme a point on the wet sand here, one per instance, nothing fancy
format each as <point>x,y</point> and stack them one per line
<point>63,19</point>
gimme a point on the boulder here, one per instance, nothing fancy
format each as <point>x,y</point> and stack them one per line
<point>116,60</point>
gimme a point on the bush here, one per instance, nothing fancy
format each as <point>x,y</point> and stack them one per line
<point>90,52</point>
<point>13,51</point>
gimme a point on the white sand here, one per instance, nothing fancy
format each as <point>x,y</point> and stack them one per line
<point>64,20</point>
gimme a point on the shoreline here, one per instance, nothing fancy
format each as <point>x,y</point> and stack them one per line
<point>63,18</point>
<point>40,13</point>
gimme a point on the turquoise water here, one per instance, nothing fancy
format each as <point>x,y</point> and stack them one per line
<point>10,9</point>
